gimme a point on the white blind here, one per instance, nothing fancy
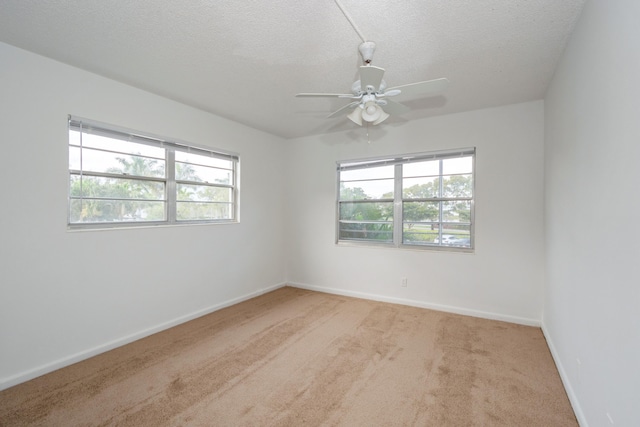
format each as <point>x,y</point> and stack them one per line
<point>405,158</point>
<point>96,128</point>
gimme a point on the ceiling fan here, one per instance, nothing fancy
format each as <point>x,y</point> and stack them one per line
<point>370,92</point>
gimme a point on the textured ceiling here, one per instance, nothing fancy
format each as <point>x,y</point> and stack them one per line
<point>245,60</point>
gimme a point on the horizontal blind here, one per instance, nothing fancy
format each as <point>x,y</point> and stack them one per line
<point>96,128</point>
<point>421,157</point>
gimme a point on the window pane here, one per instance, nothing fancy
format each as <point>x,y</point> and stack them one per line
<point>375,211</point>
<point>457,186</point>
<point>74,137</point>
<point>114,144</point>
<point>116,163</point>
<point>457,165</point>
<point>191,211</point>
<point>195,173</point>
<point>372,232</point>
<point>115,188</point>
<point>419,234</point>
<point>428,168</point>
<point>421,211</point>
<point>367,173</point>
<point>454,235</point>
<point>456,211</point>
<point>361,190</point>
<point>420,188</point>
<point>92,210</point>
<point>185,157</point>
<point>203,193</point>
<point>74,158</point>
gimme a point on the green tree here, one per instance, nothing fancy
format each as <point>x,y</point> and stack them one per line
<point>86,210</point>
<point>127,190</point>
<point>457,186</point>
<point>139,166</point>
<point>362,210</point>
<point>199,199</point>
<point>421,211</point>
<point>186,172</point>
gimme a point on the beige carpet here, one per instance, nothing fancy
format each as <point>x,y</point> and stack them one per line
<point>294,357</point>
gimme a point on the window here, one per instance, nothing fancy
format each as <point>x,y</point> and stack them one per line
<point>418,200</point>
<point>121,178</point>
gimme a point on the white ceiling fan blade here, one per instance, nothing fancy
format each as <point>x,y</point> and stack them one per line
<point>393,92</point>
<point>428,87</point>
<point>324,95</point>
<point>395,108</point>
<point>352,96</point>
<point>370,76</point>
<point>340,110</point>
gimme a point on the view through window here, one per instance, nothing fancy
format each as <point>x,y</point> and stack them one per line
<point>120,178</point>
<point>423,199</point>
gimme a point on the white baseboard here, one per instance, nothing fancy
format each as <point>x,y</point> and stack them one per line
<point>86,354</point>
<point>575,404</point>
<point>422,304</point>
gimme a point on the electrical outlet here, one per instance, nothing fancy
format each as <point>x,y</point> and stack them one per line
<point>404,282</point>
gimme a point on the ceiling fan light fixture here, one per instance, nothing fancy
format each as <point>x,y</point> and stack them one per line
<point>356,116</point>
<point>371,112</point>
<point>383,116</point>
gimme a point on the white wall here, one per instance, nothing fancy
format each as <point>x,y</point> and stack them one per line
<point>592,298</point>
<point>502,279</point>
<point>66,295</point>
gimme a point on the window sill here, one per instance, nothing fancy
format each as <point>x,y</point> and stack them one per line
<point>420,248</point>
<point>75,228</point>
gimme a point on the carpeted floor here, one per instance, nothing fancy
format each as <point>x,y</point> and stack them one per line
<point>295,357</point>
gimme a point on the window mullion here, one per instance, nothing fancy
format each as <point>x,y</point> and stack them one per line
<point>440,195</point>
<point>397,205</point>
<point>171,187</point>
<point>337,208</point>
<point>234,192</point>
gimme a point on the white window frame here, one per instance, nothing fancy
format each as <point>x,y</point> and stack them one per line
<point>170,147</point>
<point>398,216</point>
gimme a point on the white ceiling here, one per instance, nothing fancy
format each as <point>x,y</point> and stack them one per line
<point>245,60</point>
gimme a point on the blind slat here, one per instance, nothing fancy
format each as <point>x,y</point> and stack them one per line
<point>95,128</point>
<point>363,164</point>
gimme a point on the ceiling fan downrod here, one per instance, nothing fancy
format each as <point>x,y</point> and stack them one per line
<point>346,15</point>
